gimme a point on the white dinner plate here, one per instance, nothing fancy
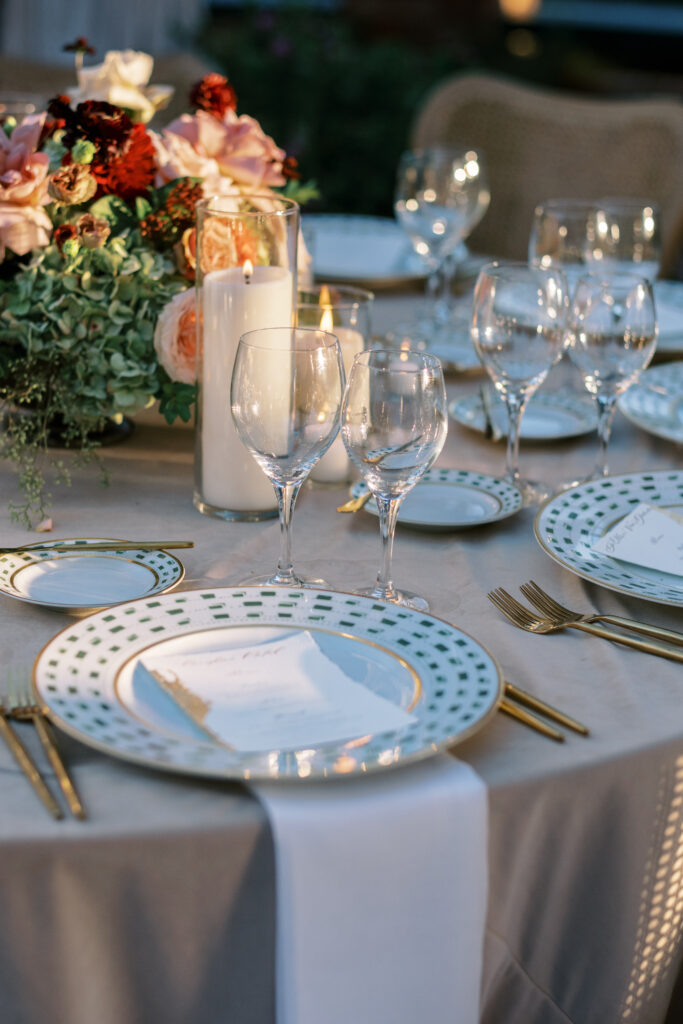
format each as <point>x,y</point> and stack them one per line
<point>669,306</point>
<point>373,251</point>
<point>552,416</point>
<point>86,677</point>
<point>655,402</point>
<point>450,499</point>
<point>569,524</point>
<point>83,581</point>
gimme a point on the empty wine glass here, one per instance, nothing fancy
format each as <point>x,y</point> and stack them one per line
<point>286,393</point>
<point>519,332</point>
<point>561,236</point>
<point>441,195</point>
<point>394,424</point>
<point>626,238</point>
<point>612,338</point>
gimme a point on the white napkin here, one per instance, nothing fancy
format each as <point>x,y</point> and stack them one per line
<point>381,896</point>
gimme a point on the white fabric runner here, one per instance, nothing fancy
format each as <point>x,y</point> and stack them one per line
<point>381,895</point>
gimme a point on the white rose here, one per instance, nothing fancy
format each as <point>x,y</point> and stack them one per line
<point>122,80</point>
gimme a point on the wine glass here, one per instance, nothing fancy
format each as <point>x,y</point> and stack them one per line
<point>441,195</point>
<point>561,236</point>
<point>286,393</point>
<point>612,338</point>
<point>519,332</point>
<point>394,424</point>
<point>626,238</point>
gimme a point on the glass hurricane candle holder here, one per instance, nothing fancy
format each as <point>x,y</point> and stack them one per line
<point>246,280</point>
<point>347,313</point>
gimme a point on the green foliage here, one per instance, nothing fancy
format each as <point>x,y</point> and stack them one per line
<point>341,103</point>
<point>76,348</point>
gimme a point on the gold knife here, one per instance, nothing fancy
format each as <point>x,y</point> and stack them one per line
<point>521,715</point>
<point>108,545</point>
<point>355,504</point>
<point>536,704</point>
<point>25,762</point>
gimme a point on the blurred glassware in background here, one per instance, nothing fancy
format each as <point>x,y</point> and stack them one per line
<point>345,312</point>
<point>612,338</point>
<point>519,332</point>
<point>441,195</point>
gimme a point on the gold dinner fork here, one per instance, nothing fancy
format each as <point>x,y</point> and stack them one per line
<point>554,610</point>
<point>22,705</point>
<point>524,618</point>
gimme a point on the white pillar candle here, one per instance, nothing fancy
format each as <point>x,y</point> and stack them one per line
<point>335,465</point>
<point>233,303</point>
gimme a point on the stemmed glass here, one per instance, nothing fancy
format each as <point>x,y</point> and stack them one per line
<point>441,195</point>
<point>612,338</point>
<point>519,332</point>
<point>584,235</point>
<point>286,394</point>
<point>394,424</point>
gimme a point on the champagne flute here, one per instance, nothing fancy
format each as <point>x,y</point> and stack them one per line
<point>519,332</point>
<point>441,195</point>
<point>612,338</point>
<point>394,425</point>
<point>286,393</point>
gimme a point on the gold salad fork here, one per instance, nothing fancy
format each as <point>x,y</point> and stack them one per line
<point>524,618</point>
<point>554,610</point>
<point>22,705</point>
<point>26,763</point>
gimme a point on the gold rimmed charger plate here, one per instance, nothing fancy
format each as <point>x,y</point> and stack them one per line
<point>80,581</point>
<point>87,678</point>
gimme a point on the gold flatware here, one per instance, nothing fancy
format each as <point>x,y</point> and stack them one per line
<point>22,706</point>
<point>105,545</point>
<point>543,708</point>
<point>532,721</point>
<point>554,610</point>
<point>355,504</point>
<point>524,618</point>
<point>27,765</point>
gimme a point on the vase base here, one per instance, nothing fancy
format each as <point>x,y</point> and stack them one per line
<point>233,515</point>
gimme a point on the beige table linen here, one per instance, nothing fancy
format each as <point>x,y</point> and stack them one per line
<point>160,907</point>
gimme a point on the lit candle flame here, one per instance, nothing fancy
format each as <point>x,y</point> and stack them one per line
<point>247,270</point>
<point>325,303</point>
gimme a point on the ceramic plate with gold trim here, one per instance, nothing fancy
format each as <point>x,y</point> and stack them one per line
<point>82,581</point>
<point>89,679</point>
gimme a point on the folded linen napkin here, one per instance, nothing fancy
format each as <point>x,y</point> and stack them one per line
<point>381,889</point>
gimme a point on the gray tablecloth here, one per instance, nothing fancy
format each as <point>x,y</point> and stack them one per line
<point>161,906</point>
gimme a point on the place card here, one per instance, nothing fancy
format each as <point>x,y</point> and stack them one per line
<point>648,536</point>
<point>281,695</point>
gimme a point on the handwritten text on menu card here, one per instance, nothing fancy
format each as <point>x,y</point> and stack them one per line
<point>274,696</point>
<point>648,536</point>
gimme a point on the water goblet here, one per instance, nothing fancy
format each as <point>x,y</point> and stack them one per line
<point>286,393</point>
<point>519,333</point>
<point>612,338</point>
<point>441,195</point>
<point>394,424</point>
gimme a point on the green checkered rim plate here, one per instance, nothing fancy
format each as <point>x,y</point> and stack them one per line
<point>450,499</point>
<point>568,525</point>
<point>447,680</point>
<point>655,402</point>
<point>140,573</point>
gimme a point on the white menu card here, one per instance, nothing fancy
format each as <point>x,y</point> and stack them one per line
<point>280,695</point>
<point>647,536</point>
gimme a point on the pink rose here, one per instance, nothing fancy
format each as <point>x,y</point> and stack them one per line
<point>236,146</point>
<point>175,338</point>
<point>24,225</point>
<point>177,158</point>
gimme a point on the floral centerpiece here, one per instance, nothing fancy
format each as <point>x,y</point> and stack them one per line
<point>97,254</point>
